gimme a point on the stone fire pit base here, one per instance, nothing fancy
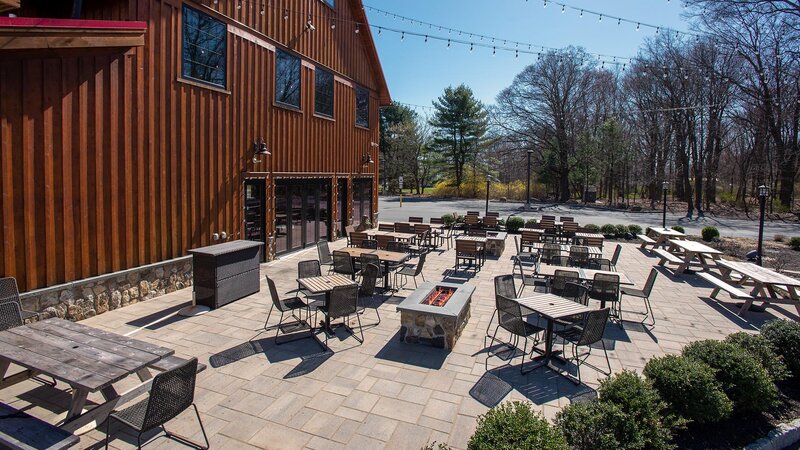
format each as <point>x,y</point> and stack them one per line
<point>437,326</point>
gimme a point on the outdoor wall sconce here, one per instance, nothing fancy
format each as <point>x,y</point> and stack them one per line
<point>366,159</point>
<point>259,149</point>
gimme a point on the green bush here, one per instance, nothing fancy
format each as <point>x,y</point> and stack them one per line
<point>514,425</point>
<point>646,424</point>
<point>592,228</point>
<point>795,243</point>
<point>608,229</point>
<point>678,228</point>
<point>622,230</point>
<point>779,238</point>
<point>448,219</point>
<point>689,387</point>
<point>435,446</point>
<point>634,229</point>
<point>760,348</point>
<point>784,335</point>
<point>743,380</point>
<point>531,223</point>
<point>514,224</point>
<point>709,233</point>
<point>593,425</point>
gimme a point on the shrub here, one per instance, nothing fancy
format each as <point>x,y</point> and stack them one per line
<point>608,229</point>
<point>678,228</point>
<point>448,219</point>
<point>795,243</point>
<point>743,380</point>
<point>689,387</point>
<point>436,446</point>
<point>779,238</point>
<point>709,234</point>
<point>645,425</point>
<point>513,425</point>
<point>593,425</point>
<point>784,335</point>
<point>760,348</point>
<point>592,228</point>
<point>514,224</point>
<point>531,223</point>
<point>634,229</point>
<point>622,230</point>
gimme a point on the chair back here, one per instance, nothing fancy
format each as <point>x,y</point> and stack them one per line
<point>437,220</point>
<point>343,263</point>
<point>594,326</point>
<point>324,253</point>
<point>350,229</point>
<point>560,260</point>
<point>566,219</point>
<point>370,258</point>
<point>605,287</point>
<point>386,227</point>
<point>546,218</point>
<point>471,220</point>
<point>369,276</point>
<point>570,228</point>
<point>599,264</point>
<point>421,228</point>
<point>171,393</point>
<point>357,237</point>
<point>576,292</point>
<point>490,222</point>
<point>396,246</point>
<point>463,246</point>
<point>579,255</point>
<point>343,301</point>
<point>530,237</point>
<point>516,243</point>
<point>308,269</point>
<point>383,240</point>
<point>549,251</point>
<point>273,292</point>
<point>477,232</point>
<point>371,244</point>
<point>414,219</point>
<point>493,214</point>
<point>504,285</point>
<point>560,280</point>
<point>8,290</point>
<point>402,227</point>
<point>473,213</point>
<point>10,315</point>
<point>617,252</point>
<point>510,315</point>
<point>592,241</point>
<point>651,281</point>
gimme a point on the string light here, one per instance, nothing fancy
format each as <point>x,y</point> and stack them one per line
<point>239,4</point>
<point>333,25</point>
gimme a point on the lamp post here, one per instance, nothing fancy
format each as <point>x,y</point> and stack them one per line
<point>763,193</point>
<point>528,190</point>
<point>488,179</point>
<point>665,188</point>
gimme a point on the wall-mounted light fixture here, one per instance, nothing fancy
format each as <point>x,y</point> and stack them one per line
<point>309,25</point>
<point>366,159</point>
<point>259,149</point>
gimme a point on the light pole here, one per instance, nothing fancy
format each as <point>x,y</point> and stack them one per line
<point>763,193</point>
<point>665,188</point>
<point>528,190</point>
<point>488,179</point>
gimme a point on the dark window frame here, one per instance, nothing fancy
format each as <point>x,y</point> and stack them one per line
<point>362,91</point>
<point>281,55</point>
<point>317,94</point>
<point>190,63</point>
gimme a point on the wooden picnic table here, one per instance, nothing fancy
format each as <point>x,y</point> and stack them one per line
<point>662,235</point>
<point>594,252</point>
<point>388,258</point>
<point>549,270</point>
<point>87,359</point>
<point>768,285</point>
<point>551,308</point>
<point>324,285</point>
<point>689,251</point>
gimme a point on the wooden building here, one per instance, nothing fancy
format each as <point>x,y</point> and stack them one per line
<point>134,130</point>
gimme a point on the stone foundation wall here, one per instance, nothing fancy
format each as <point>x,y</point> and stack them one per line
<point>92,296</point>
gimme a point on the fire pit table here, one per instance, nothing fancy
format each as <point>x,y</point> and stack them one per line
<point>435,313</point>
<point>496,243</point>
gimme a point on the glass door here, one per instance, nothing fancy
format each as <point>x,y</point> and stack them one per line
<point>254,212</point>
<point>301,211</point>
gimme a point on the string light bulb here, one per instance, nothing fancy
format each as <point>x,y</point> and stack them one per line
<point>563,9</point>
<point>600,19</point>
<point>239,4</point>
<point>358,28</point>
<point>638,25</point>
<point>470,47</point>
<point>333,25</point>
<point>494,51</point>
<point>403,36</point>
<point>581,13</point>
<point>285,12</point>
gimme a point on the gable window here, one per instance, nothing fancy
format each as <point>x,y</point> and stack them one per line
<point>331,3</point>
<point>362,107</point>
<point>287,79</point>
<point>323,92</point>
<point>204,47</point>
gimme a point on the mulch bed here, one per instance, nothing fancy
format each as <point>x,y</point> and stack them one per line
<point>743,429</point>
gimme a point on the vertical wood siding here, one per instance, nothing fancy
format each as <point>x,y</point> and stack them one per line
<point>108,161</point>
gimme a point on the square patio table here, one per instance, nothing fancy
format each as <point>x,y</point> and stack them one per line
<point>386,257</point>
<point>324,285</point>
<point>688,251</point>
<point>766,283</point>
<point>594,252</point>
<point>586,275</point>
<point>87,359</point>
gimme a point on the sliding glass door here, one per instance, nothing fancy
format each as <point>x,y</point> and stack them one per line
<point>301,211</point>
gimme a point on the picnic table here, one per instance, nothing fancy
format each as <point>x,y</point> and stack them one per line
<point>688,251</point>
<point>662,235</point>
<point>387,258</point>
<point>87,359</point>
<point>768,286</point>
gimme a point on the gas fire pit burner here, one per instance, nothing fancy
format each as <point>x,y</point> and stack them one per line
<point>439,296</point>
<point>435,313</point>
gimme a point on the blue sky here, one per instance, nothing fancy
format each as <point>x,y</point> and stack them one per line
<point>417,72</point>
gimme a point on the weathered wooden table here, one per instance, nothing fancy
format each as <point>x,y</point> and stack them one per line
<point>689,251</point>
<point>87,359</point>
<point>662,235</point>
<point>768,286</point>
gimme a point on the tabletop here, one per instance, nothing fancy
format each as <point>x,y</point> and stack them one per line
<point>565,248</point>
<point>383,255</point>
<point>584,274</point>
<point>534,230</point>
<point>758,273</point>
<point>589,235</point>
<point>79,355</point>
<point>394,234</point>
<point>434,226</point>
<point>325,283</point>
<point>693,246</point>
<point>667,232</point>
<point>472,238</point>
<point>552,306</point>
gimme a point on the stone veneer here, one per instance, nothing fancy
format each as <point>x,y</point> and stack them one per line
<point>439,326</point>
<point>91,296</point>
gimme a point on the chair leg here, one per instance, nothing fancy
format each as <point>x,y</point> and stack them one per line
<point>278,329</point>
<point>108,429</point>
<point>187,441</point>
<point>269,314</point>
<point>648,313</point>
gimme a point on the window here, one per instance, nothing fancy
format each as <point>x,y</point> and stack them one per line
<point>287,79</point>
<point>362,107</point>
<point>323,93</point>
<point>331,3</point>
<point>204,47</point>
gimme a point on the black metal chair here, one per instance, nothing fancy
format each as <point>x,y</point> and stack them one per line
<point>10,316</point>
<point>560,280</point>
<point>510,318</point>
<point>549,251</point>
<point>615,258</point>
<point>503,285</point>
<point>324,252</point>
<point>171,393</point>
<point>561,261</point>
<point>287,305</point>
<point>397,246</point>
<point>307,269</point>
<point>411,270</point>
<point>644,294</point>
<point>369,243</point>
<point>343,303</point>
<point>527,266</point>
<point>369,277</point>
<point>369,258</point>
<point>9,292</point>
<point>343,264</point>
<point>600,264</point>
<point>578,293</point>
<point>605,289</point>
<point>585,334</point>
<point>578,256</point>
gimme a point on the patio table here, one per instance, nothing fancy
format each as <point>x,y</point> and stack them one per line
<point>767,284</point>
<point>405,237</point>
<point>662,235</point>
<point>594,252</point>
<point>551,308</point>
<point>548,270</point>
<point>324,285</point>
<point>387,258</point>
<point>688,251</point>
<point>87,359</point>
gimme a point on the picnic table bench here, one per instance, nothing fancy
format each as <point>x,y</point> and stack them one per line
<point>719,285</point>
<point>666,257</point>
<point>646,240</point>
<point>21,431</point>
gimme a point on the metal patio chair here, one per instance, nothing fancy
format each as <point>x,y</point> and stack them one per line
<point>371,244</point>
<point>600,264</point>
<point>369,277</point>
<point>286,305</point>
<point>644,294</point>
<point>412,271</point>
<point>528,273</point>
<point>615,258</point>
<point>605,288</point>
<point>510,318</point>
<point>561,261</point>
<point>560,280</point>
<point>585,334</point>
<point>325,258</point>
<point>343,264</point>
<point>578,256</point>
<point>307,269</point>
<point>9,292</point>
<point>505,286</point>
<point>342,304</point>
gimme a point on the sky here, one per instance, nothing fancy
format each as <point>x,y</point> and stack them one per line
<point>418,72</point>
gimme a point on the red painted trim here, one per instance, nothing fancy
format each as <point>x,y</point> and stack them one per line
<point>34,22</point>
